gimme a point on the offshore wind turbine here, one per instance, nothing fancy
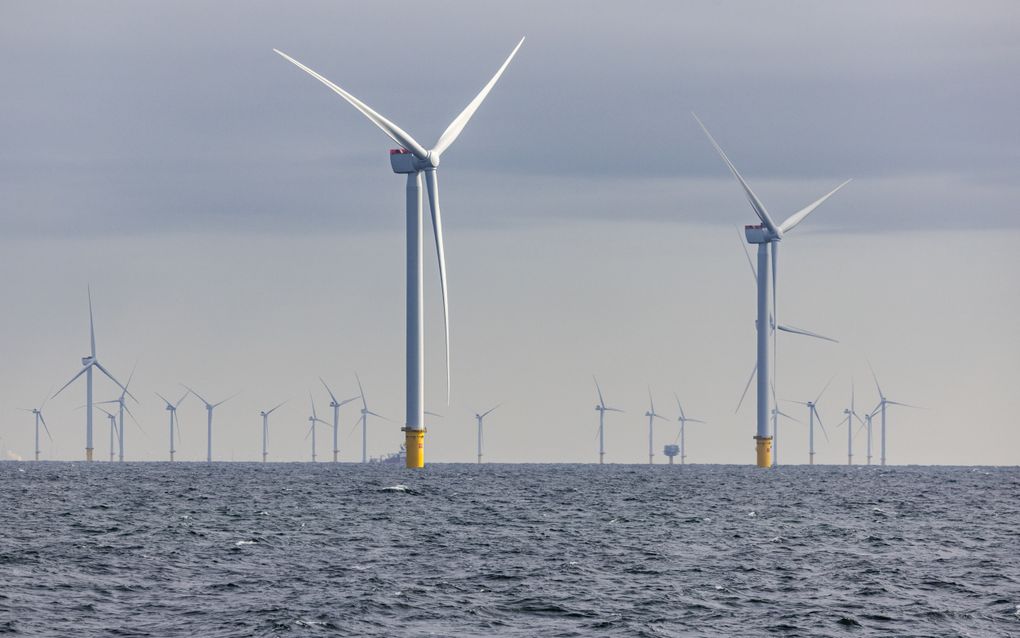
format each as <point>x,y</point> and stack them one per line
<point>413,159</point>
<point>364,421</point>
<point>682,435</point>
<point>867,422</point>
<point>851,414</point>
<point>123,408</point>
<point>812,407</point>
<point>336,405</point>
<point>652,415</point>
<point>480,418</point>
<point>209,407</point>
<point>766,236</point>
<point>882,403</point>
<point>313,420</point>
<point>37,413</point>
<point>776,413</point>
<point>89,362</point>
<point>171,407</point>
<point>113,428</point>
<point>601,408</point>
<point>265,428</point>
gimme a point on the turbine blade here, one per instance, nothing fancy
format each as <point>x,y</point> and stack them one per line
<point>432,182</point>
<point>346,401</point>
<point>433,414</point>
<point>312,401</point>
<point>380,416</point>
<point>165,400</point>
<point>92,325</point>
<point>331,395</point>
<point>268,412</point>
<point>200,397</point>
<point>128,384</point>
<point>824,389</point>
<point>181,400</point>
<point>756,204</point>
<point>80,372</point>
<point>394,132</point>
<point>362,391</point>
<point>806,333</point>
<point>458,124</point>
<point>112,378</point>
<point>822,425</point>
<point>599,390</point>
<point>799,216</point>
<point>875,377</point>
<point>747,386</point>
<point>906,405</point>
<point>695,421</point>
<point>747,253</point>
<point>42,419</point>
<point>613,410</point>
<point>484,414</point>
<point>227,399</point>
<point>659,416</point>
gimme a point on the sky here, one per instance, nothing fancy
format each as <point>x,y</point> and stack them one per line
<point>242,231</point>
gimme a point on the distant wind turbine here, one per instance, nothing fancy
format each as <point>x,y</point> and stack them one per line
<point>882,403</point>
<point>364,420</point>
<point>413,159</point>
<point>851,414</point>
<point>313,420</point>
<point>480,418</point>
<point>776,413</point>
<point>765,235</point>
<point>682,435</point>
<point>88,363</point>
<point>171,407</point>
<point>113,428</point>
<point>265,428</point>
<point>812,407</point>
<point>336,405</point>
<point>601,408</point>
<point>37,413</point>
<point>123,408</point>
<point>209,407</point>
<point>652,415</point>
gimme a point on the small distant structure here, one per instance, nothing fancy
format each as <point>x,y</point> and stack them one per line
<point>671,451</point>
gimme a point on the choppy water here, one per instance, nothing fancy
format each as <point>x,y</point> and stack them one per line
<point>525,550</point>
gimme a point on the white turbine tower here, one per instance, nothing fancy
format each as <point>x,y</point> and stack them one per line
<point>209,407</point>
<point>812,407</point>
<point>413,159</point>
<point>867,424</point>
<point>37,413</point>
<point>776,413</point>
<point>113,428</point>
<point>364,420</point>
<point>601,408</point>
<point>851,414</point>
<point>682,435</point>
<point>122,404</point>
<point>88,363</point>
<point>265,428</point>
<point>882,403</point>
<point>480,418</point>
<point>313,420</point>
<point>652,415</point>
<point>171,407</point>
<point>336,405</point>
<point>766,235</point>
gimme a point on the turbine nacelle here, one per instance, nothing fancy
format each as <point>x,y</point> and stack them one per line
<point>758,234</point>
<point>404,161</point>
<point>86,360</point>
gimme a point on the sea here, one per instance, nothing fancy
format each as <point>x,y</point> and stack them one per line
<point>302,549</point>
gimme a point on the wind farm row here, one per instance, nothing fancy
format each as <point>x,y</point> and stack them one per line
<point>420,164</point>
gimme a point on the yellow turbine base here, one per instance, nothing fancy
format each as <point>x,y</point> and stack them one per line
<point>414,441</point>
<point>764,450</point>
<point>88,454</point>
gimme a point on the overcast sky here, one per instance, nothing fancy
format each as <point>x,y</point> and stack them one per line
<point>242,231</point>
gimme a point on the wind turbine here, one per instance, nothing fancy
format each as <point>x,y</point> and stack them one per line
<point>88,363</point>
<point>812,407</point>
<point>123,408</point>
<point>601,408</point>
<point>336,405</point>
<point>851,414</point>
<point>480,418</point>
<point>766,235</point>
<point>313,420</point>
<point>113,428</point>
<point>209,407</point>
<point>265,428</point>
<point>37,412</point>
<point>683,419</point>
<point>867,421</point>
<point>412,159</point>
<point>652,415</point>
<point>364,422</point>
<point>172,409</point>
<point>882,403</point>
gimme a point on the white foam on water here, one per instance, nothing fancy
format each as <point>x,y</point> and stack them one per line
<point>239,543</point>
<point>395,488</point>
